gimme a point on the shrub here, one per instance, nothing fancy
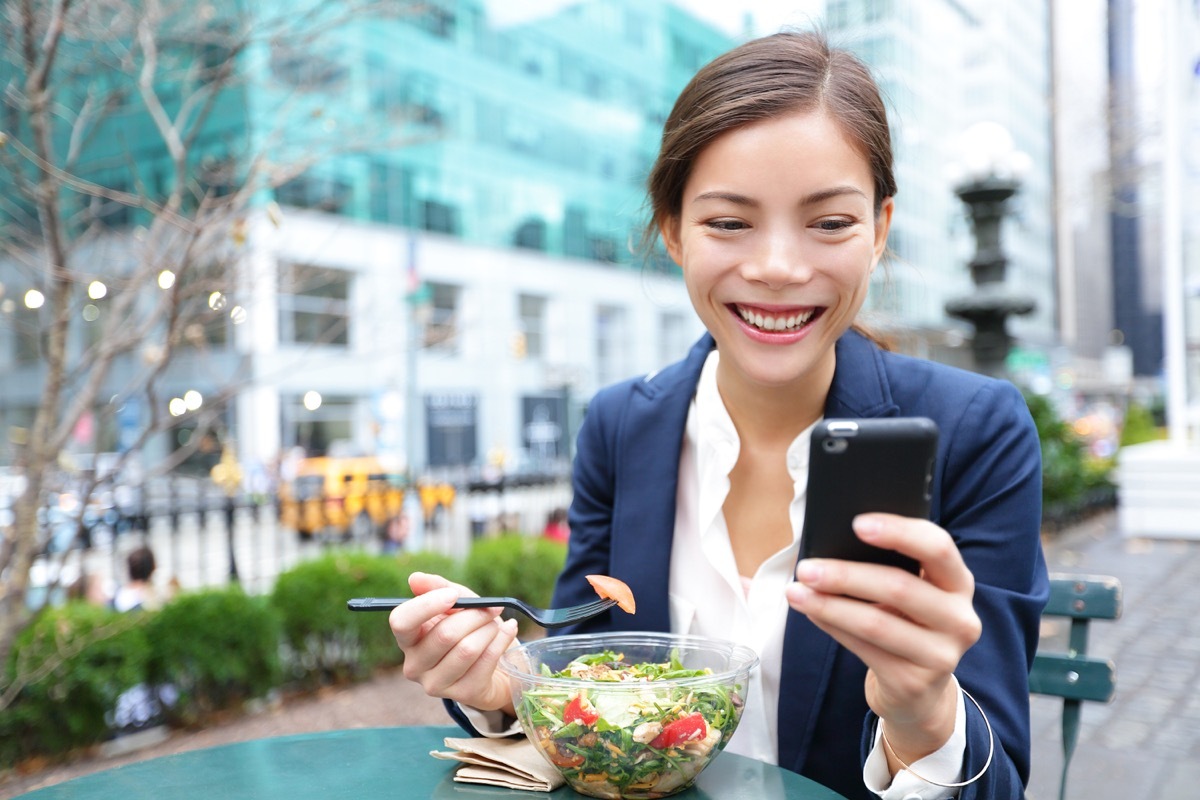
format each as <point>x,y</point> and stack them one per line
<point>525,567</point>
<point>425,561</point>
<point>217,648</point>
<point>80,658</point>
<point>1139,426</point>
<point>324,642</point>
<point>1072,480</point>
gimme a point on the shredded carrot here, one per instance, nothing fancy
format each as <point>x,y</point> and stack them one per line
<point>611,588</point>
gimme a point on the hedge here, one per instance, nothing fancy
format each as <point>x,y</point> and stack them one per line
<point>217,648</point>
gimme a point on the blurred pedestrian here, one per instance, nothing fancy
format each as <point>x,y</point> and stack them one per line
<point>140,592</point>
<point>90,588</point>
<point>556,526</point>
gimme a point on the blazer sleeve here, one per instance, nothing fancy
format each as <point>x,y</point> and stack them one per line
<point>590,515</point>
<point>990,492</point>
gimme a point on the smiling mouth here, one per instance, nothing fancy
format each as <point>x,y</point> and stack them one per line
<point>774,322</point>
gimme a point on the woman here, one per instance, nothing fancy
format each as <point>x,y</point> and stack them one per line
<point>773,191</point>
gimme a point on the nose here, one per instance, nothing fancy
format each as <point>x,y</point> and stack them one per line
<point>777,261</point>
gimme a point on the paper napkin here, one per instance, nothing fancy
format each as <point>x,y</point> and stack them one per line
<point>511,763</point>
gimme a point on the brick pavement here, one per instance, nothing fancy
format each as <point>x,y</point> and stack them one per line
<point>1146,742</point>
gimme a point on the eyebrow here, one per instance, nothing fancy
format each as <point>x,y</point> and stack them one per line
<point>808,200</point>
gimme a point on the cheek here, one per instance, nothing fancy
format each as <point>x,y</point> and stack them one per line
<point>851,267</point>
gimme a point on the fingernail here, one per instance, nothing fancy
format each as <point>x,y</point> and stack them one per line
<point>809,572</point>
<point>867,527</point>
<point>798,595</point>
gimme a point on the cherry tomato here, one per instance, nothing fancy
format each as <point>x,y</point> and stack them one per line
<point>685,729</point>
<point>580,709</point>
<point>564,757</point>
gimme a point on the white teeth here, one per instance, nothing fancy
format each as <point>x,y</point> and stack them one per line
<point>769,323</point>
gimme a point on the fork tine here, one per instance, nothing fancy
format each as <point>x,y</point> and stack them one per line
<point>588,610</point>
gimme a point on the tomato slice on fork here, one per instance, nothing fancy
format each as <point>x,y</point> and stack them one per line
<point>613,589</point>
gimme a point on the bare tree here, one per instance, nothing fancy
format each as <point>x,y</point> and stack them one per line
<point>125,178</point>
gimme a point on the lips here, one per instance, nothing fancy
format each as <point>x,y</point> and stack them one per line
<point>772,320</point>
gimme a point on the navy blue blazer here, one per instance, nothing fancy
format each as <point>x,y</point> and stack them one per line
<point>986,493</point>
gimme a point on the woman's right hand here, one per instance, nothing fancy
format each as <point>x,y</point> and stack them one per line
<point>453,653</point>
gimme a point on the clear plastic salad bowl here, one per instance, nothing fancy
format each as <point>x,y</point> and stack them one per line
<point>643,726</point>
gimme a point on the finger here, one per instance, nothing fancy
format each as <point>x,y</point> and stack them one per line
<point>410,620</point>
<point>941,562</point>
<point>852,622</point>
<point>861,625</point>
<point>422,582</point>
<point>458,675</point>
<point>441,636</point>
<point>480,678</point>
<point>893,591</point>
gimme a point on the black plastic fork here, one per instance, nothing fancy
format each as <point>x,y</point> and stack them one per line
<point>546,617</point>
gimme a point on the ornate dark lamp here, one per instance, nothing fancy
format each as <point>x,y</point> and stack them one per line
<point>986,178</point>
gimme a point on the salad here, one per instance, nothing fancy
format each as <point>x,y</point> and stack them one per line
<point>635,740</point>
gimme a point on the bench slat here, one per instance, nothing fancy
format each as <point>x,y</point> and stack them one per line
<point>1073,677</point>
<point>1084,596</point>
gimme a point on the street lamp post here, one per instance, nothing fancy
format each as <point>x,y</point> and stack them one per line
<point>227,474</point>
<point>988,176</point>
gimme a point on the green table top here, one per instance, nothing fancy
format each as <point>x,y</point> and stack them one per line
<point>370,764</point>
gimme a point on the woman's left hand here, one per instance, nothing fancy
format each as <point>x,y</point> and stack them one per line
<point>910,631</point>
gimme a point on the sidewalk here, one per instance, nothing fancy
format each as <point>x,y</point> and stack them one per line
<point>1146,743</point>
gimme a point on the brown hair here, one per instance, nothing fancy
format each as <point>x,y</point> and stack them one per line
<point>141,564</point>
<point>763,79</point>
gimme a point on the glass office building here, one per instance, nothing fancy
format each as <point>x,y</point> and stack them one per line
<point>454,266</point>
<point>944,65</point>
<point>535,136</point>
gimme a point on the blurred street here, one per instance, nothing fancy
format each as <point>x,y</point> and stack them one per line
<point>1146,743</point>
<point>193,543</point>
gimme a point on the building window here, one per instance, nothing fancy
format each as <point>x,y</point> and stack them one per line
<point>30,338</point>
<point>438,217</point>
<point>316,192</point>
<point>314,305</point>
<point>672,337</point>
<point>317,430</point>
<point>441,329</point>
<point>390,186</point>
<point>110,213</point>
<point>610,344</point>
<point>206,290</point>
<point>531,309</point>
<point>530,235</point>
<point>436,19</point>
<point>451,429</point>
<point>301,69</point>
<point>602,249</point>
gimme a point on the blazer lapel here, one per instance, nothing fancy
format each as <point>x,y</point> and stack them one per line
<point>650,443</point>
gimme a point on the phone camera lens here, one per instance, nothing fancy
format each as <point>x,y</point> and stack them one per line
<point>834,445</point>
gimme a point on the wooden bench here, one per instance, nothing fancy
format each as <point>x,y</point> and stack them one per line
<point>1075,676</point>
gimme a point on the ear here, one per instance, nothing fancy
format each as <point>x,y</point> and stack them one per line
<point>883,224</point>
<point>669,230</point>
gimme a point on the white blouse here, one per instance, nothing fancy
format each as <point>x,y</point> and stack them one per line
<point>708,597</point>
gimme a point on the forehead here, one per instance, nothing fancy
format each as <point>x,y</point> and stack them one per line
<point>802,149</point>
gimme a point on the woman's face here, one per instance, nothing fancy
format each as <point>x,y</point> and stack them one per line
<point>777,238</point>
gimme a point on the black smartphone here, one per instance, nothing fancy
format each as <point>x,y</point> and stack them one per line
<point>857,466</point>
